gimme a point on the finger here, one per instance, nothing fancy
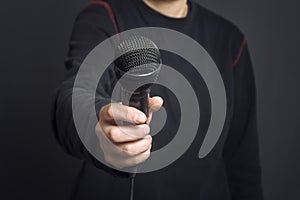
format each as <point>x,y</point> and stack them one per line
<point>119,158</point>
<point>155,103</point>
<point>135,148</point>
<point>120,134</point>
<point>119,112</point>
<point>124,149</point>
<point>130,161</point>
<point>133,161</point>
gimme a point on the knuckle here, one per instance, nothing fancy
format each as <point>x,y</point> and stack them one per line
<point>115,138</point>
<point>109,134</point>
<point>126,148</point>
<point>148,145</point>
<point>109,111</point>
<point>114,134</point>
<point>98,129</point>
<point>131,115</point>
<point>139,159</point>
<point>147,154</point>
<point>103,110</point>
<point>146,128</point>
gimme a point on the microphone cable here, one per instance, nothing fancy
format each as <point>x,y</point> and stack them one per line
<point>132,186</point>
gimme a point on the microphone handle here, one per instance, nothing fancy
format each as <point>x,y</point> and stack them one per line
<point>138,100</point>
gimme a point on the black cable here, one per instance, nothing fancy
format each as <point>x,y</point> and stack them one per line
<point>132,187</point>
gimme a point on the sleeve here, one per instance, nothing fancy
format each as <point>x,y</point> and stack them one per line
<point>241,150</point>
<point>92,26</point>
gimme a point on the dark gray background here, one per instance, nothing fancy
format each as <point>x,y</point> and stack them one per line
<point>33,43</point>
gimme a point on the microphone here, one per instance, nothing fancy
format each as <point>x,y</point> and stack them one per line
<point>138,63</point>
<point>137,66</point>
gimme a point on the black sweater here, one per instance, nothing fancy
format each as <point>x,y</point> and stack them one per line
<point>231,170</point>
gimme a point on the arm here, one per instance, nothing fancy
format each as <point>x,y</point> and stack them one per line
<point>118,149</point>
<point>241,151</point>
<point>92,26</point>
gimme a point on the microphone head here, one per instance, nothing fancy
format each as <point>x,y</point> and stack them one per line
<point>138,60</point>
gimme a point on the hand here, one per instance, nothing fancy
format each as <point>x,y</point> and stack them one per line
<point>125,146</point>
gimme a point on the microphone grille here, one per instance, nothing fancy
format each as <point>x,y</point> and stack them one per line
<point>137,55</point>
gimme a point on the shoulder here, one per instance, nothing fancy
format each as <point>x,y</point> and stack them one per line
<point>221,29</point>
<point>94,9</point>
<point>99,14</point>
<point>215,21</point>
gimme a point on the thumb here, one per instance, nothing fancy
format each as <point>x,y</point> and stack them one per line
<point>154,104</point>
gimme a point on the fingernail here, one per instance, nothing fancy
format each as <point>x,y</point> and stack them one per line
<point>141,118</point>
<point>146,129</point>
<point>148,137</point>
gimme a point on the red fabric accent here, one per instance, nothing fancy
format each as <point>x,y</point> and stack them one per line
<point>109,11</point>
<point>235,62</point>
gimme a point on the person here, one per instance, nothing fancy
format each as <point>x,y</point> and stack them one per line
<point>230,171</point>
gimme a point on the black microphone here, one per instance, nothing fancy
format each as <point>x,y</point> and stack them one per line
<point>138,63</point>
